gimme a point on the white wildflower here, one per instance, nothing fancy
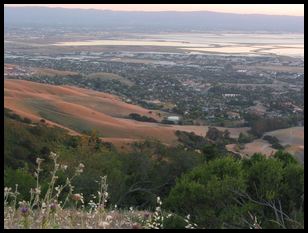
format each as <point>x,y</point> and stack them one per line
<point>39,160</point>
<point>109,218</point>
<point>53,155</point>
<point>104,225</point>
<point>37,190</point>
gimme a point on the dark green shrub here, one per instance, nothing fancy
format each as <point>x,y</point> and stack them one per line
<point>174,222</point>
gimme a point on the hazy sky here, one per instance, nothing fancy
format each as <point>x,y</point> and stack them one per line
<point>273,9</point>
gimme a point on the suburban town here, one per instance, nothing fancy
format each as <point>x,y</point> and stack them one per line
<point>153,116</point>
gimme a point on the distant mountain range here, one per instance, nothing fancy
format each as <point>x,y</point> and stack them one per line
<point>151,21</point>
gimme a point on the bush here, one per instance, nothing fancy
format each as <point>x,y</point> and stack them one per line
<point>231,193</point>
<point>21,177</point>
<point>165,121</point>
<point>214,134</point>
<point>205,193</point>
<point>285,157</point>
<point>174,222</point>
<point>210,152</point>
<point>245,138</point>
<point>274,141</point>
<point>191,140</point>
<point>138,117</point>
<point>27,120</point>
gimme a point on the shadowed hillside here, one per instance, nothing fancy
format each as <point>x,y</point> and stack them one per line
<point>82,110</point>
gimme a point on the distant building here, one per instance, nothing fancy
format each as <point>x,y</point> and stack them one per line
<point>230,95</point>
<point>174,119</point>
<point>233,115</point>
<point>128,100</point>
<point>241,71</point>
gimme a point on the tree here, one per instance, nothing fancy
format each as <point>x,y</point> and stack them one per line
<point>214,134</point>
<point>210,152</point>
<point>204,193</point>
<point>226,134</point>
<point>285,157</point>
<point>21,177</point>
<point>245,138</point>
<point>276,186</point>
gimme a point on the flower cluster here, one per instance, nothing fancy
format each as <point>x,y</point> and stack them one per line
<point>190,225</point>
<point>78,197</point>
<point>79,169</point>
<point>156,220</point>
<point>24,208</point>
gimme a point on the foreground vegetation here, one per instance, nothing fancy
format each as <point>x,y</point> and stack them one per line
<point>153,186</point>
<point>46,211</point>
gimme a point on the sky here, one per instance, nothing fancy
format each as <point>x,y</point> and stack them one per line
<point>271,9</point>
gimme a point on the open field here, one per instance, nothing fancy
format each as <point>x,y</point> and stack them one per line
<point>292,138</point>
<point>51,72</point>
<point>257,146</point>
<point>82,109</point>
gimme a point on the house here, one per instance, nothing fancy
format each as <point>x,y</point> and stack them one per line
<point>233,115</point>
<point>174,119</point>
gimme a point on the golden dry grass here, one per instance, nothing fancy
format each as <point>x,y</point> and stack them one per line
<point>52,72</point>
<point>73,108</point>
<point>292,138</point>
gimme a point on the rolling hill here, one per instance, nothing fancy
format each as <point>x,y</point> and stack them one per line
<point>78,110</point>
<point>150,21</point>
<point>292,138</point>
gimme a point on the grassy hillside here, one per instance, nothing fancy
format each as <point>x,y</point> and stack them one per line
<point>82,109</point>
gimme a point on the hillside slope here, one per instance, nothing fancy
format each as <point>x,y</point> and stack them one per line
<point>79,109</point>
